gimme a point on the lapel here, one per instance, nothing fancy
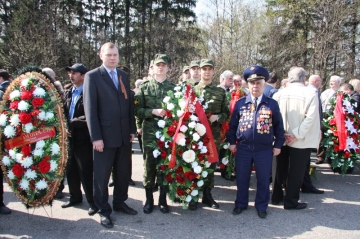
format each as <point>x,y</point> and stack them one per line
<point>107,78</point>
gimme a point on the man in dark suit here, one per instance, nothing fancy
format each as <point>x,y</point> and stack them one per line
<point>80,163</point>
<point>110,117</point>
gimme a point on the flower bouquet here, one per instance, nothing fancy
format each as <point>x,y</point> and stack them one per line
<point>342,136</point>
<point>183,146</point>
<point>33,145</point>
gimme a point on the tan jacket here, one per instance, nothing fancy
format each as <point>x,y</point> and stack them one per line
<point>299,107</point>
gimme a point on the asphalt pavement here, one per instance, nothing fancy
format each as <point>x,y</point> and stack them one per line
<point>334,214</point>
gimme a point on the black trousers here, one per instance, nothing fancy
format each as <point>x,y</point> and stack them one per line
<point>118,160</point>
<point>291,165</point>
<point>307,183</point>
<point>80,171</point>
<point>1,188</point>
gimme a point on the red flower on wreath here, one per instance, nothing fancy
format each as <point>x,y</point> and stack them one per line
<point>26,150</point>
<point>169,178</point>
<point>186,115</point>
<point>37,102</point>
<point>347,155</point>
<point>14,105</point>
<point>168,114</point>
<point>25,118</point>
<point>222,166</point>
<point>194,146</point>
<point>180,192</point>
<point>180,152</point>
<point>162,167</point>
<point>18,170</point>
<point>200,157</point>
<point>163,154</point>
<point>26,95</point>
<point>332,122</point>
<point>171,131</point>
<point>44,166</point>
<point>179,170</point>
<point>160,144</point>
<point>190,175</point>
<point>336,148</point>
<point>180,179</point>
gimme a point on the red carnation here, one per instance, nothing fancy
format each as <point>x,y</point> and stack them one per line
<point>200,157</point>
<point>162,167</point>
<point>163,154</point>
<point>170,144</point>
<point>180,179</point>
<point>168,114</point>
<point>332,122</point>
<point>180,152</point>
<point>169,178</point>
<point>222,166</point>
<point>179,170</point>
<point>357,150</point>
<point>190,175</point>
<point>26,150</point>
<point>37,102</point>
<point>25,118</point>
<point>179,192</point>
<point>44,166</point>
<point>187,140</point>
<point>14,105</point>
<point>186,115</point>
<point>18,170</point>
<point>26,95</point>
<point>46,158</point>
<point>336,148</point>
<point>174,123</point>
<point>160,144</point>
<point>194,185</point>
<point>347,155</point>
<point>171,131</point>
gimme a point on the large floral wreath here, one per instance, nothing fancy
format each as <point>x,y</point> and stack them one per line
<point>34,146</point>
<point>342,135</point>
<point>188,146</point>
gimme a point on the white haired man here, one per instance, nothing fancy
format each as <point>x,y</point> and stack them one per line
<point>226,80</point>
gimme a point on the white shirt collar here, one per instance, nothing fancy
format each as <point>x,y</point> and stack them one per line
<point>108,70</point>
<point>258,99</point>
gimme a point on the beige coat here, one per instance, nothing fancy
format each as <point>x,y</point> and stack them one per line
<point>299,107</point>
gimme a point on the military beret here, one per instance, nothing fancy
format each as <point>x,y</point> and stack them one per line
<point>185,68</point>
<point>161,58</point>
<point>256,73</point>
<point>206,62</point>
<point>194,63</point>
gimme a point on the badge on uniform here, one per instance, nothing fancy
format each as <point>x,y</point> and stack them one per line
<point>136,101</point>
<point>264,121</point>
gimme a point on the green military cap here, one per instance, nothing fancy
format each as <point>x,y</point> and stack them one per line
<point>185,68</point>
<point>206,62</point>
<point>161,58</point>
<point>151,63</point>
<point>194,63</point>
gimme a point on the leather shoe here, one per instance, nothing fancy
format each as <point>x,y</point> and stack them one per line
<point>261,213</point>
<point>276,202</point>
<point>70,204</point>
<point>301,205</point>
<point>93,210</point>
<point>238,210</point>
<point>4,210</point>
<point>192,205</point>
<point>122,207</point>
<point>226,177</point>
<point>314,191</point>
<point>319,161</point>
<point>106,221</point>
<point>59,195</point>
<point>131,182</point>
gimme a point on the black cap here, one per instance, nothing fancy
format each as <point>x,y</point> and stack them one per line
<point>4,74</point>
<point>77,68</point>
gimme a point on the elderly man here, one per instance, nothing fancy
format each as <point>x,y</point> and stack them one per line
<point>270,87</point>
<point>257,126</point>
<point>226,80</point>
<point>237,82</point>
<point>299,109</point>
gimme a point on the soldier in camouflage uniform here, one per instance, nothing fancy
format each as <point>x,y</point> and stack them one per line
<point>194,72</point>
<point>218,111</point>
<point>148,107</point>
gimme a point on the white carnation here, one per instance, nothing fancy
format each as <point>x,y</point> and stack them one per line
<point>11,175</point>
<point>25,82</point>
<point>169,157</point>
<point>12,153</point>
<point>196,136</point>
<point>166,99</point>
<point>18,157</point>
<point>27,162</point>
<point>183,128</point>
<point>28,127</point>
<point>23,105</point>
<point>189,156</point>
<point>162,138</point>
<point>40,92</point>
<point>49,115</point>
<point>38,152</point>
<point>177,88</point>
<point>179,113</point>
<point>40,144</point>
<point>170,106</point>
<point>200,183</point>
<point>53,165</point>
<point>207,164</point>
<point>194,192</point>
<point>192,124</point>
<point>194,118</point>
<point>158,134</point>
<point>188,198</point>
<point>226,146</point>
<point>200,129</point>
<point>30,174</point>
<point>197,169</point>
<point>6,161</point>
<point>9,131</point>
<point>178,94</point>
<point>200,145</point>
<point>14,120</point>
<point>182,104</point>
<point>24,184</point>
<point>204,174</point>
<point>194,164</point>
<point>161,123</point>
<point>3,119</point>
<point>55,149</point>
<point>180,139</point>
<point>203,150</point>
<point>41,184</point>
<point>42,115</point>
<point>167,144</point>
<point>156,153</point>
<point>15,94</point>
<point>225,161</point>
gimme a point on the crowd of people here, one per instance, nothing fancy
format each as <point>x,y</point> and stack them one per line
<point>104,116</point>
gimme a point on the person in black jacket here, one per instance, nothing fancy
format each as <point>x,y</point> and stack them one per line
<point>354,95</point>
<point>80,163</point>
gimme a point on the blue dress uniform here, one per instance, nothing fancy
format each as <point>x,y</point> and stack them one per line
<point>256,131</point>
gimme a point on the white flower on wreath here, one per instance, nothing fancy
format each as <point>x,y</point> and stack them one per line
<point>180,139</point>
<point>189,156</point>
<point>207,164</point>
<point>6,161</point>
<point>12,154</point>
<point>226,146</point>
<point>14,120</point>
<point>162,138</point>
<point>40,92</point>
<point>25,82</point>
<point>203,150</point>
<point>183,128</point>
<point>179,113</point>
<point>18,157</point>
<point>182,104</point>
<point>196,137</point>
<point>200,145</point>
<point>166,99</point>
<point>156,153</point>
<point>194,118</point>
<point>40,144</point>
<point>177,88</point>
<point>27,162</point>
<point>192,124</point>
<point>200,129</point>
<point>204,174</point>
<point>200,183</point>
<point>197,169</point>
<point>178,94</point>
<point>167,144</point>
<point>188,198</point>
<point>170,106</point>
<point>41,184</point>
<point>194,164</point>
<point>15,94</point>
<point>3,119</point>
<point>225,161</point>
<point>9,131</point>
<point>23,105</point>
<point>28,127</point>
<point>169,157</point>
<point>38,152</point>
<point>55,149</point>
<point>30,174</point>
<point>53,165</point>
<point>24,184</point>
<point>161,123</point>
<point>42,115</point>
<point>194,192</point>
<point>158,134</point>
<point>49,115</point>
<point>11,175</point>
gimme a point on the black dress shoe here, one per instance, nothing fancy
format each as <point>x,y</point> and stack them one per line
<point>122,207</point>
<point>192,205</point>
<point>93,210</point>
<point>4,210</point>
<point>314,191</point>
<point>238,210</point>
<point>59,195</point>
<point>111,184</point>
<point>300,206</point>
<point>261,213</point>
<point>70,204</point>
<point>131,182</point>
<point>226,177</point>
<point>276,202</point>
<point>106,221</point>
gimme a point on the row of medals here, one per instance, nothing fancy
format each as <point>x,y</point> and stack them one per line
<point>264,120</point>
